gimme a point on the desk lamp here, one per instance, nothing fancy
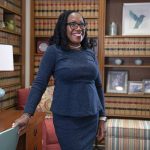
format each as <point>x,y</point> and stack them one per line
<point>6,64</point>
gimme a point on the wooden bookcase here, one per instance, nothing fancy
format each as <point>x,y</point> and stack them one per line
<point>43,20</point>
<point>127,48</point>
<point>11,81</point>
<point>99,14</point>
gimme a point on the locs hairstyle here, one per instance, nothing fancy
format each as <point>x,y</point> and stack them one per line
<point>60,32</point>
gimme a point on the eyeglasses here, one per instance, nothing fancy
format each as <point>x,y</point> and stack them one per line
<point>74,25</point>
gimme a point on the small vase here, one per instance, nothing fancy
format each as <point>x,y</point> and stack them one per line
<point>113,29</point>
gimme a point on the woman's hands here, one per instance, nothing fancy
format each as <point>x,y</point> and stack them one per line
<point>21,122</point>
<point>101,130</point>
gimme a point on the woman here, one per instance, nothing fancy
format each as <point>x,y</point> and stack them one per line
<point>78,99</point>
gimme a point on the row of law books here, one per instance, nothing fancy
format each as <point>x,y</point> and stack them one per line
<point>9,38</point>
<point>126,52</point>
<point>14,5</point>
<point>9,74</point>
<point>11,92</point>
<point>129,106</point>
<point>11,89</point>
<point>45,27</point>
<point>16,49</point>
<point>9,103</point>
<point>10,95</point>
<point>53,8</point>
<point>127,46</point>
<point>138,113</point>
<point>37,60</point>
<point>17,67</point>
<point>10,81</point>
<point>127,42</point>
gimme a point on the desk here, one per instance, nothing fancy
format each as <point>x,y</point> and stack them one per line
<point>31,137</point>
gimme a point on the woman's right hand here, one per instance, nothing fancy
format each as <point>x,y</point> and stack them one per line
<point>21,122</point>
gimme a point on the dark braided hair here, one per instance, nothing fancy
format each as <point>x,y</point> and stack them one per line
<point>60,33</point>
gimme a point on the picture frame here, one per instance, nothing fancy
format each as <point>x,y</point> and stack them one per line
<point>146,84</point>
<point>135,87</point>
<point>117,82</point>
<point>135,19</point>
<point>42,45</point>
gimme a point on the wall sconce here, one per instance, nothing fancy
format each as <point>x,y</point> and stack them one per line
<point>6,63</point>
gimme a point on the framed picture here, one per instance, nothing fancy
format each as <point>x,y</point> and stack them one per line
<point>136,19</point>
<point>42,45</point>
<point>117,82</point>
<point>146,84</point>
<point>135,87</point>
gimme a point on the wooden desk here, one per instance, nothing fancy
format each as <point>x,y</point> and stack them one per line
<point>31,138</point>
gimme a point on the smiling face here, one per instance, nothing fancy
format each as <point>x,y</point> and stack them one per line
<point>75,29</point>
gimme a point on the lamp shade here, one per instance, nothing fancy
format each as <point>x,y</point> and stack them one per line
<point>6,58</point>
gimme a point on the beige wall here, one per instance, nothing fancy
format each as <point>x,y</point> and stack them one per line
<point>27,42</point>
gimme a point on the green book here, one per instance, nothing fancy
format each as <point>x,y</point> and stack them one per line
<point>9,139</point>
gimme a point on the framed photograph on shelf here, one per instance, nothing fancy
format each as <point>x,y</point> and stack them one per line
<point>42,45</point>
<point>135,87</point>
<point>146,84</point>
<point>136,19</point>
<point>117,82</point>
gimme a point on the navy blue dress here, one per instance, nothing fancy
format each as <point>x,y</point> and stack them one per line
<point>78,96</point>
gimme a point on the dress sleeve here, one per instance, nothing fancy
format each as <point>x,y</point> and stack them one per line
<point>100,91</point>
<point>46,69</point>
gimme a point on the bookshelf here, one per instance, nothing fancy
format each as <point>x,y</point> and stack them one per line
<point>128,49</point>
<point>12,31</point>
<point>44,15</point>
<point>99,14</point>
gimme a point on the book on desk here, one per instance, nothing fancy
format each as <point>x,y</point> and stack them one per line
<point>9,139</point>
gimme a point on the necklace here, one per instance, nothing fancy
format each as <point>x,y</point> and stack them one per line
<point>75,47</point>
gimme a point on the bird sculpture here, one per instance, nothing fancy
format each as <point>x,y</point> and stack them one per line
<point>138,19</point>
